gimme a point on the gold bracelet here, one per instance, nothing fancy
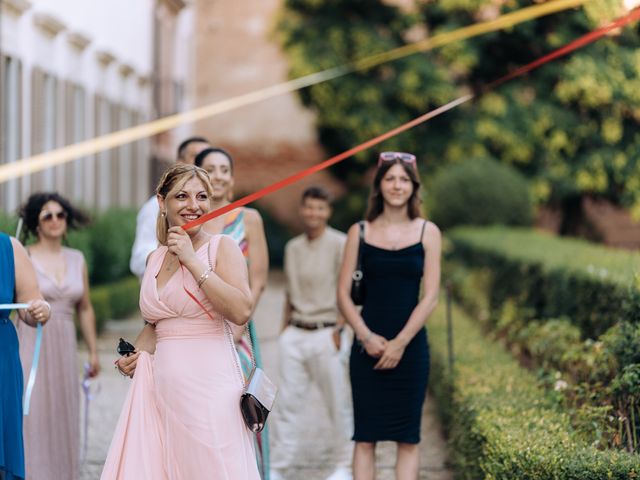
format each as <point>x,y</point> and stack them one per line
<point>204,276</point>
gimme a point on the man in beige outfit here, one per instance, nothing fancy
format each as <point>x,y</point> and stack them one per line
<point>309,345</point>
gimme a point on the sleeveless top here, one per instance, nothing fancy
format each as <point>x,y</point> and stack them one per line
<point>234,227</point>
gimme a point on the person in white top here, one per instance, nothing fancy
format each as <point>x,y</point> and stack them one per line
<point>310,344</point>
<point>146,240</point>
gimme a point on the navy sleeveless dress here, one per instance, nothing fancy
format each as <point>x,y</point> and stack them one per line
<point>11,448</point>
<point>387,404</point>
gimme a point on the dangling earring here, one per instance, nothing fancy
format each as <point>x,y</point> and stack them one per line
<point>164,214</point>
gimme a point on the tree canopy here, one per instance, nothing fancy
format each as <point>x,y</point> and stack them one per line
<point>571,127</point>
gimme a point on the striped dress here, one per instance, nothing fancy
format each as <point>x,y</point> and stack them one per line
<point>235,228</point>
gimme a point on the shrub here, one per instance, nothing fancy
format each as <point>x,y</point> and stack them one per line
<point>112,235</point>
<point>501,423</point>
<point>115,301</point>
<point>568,307</point>
<point>124,297</point>
<point>480,192</point>
<point>106,243</point>
<point>554,277</point>
<point>8,224</point>
<point>101,305</point>
<point>277,236</point>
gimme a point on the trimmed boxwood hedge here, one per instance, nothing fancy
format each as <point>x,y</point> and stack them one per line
<point>594,286</point>
<point>115,300</point>
<point>501,424</point>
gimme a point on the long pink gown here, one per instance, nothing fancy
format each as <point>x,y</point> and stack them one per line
<point>181,419</point>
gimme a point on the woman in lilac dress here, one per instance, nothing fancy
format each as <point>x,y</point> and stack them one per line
<point>52,428</point>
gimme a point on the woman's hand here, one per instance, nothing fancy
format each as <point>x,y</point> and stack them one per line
<point>392,355</point>
<point>127,365</point>
<point>94,365</point>
<point>375,345</point>
<point>39,310</point>
<point>179,243</point>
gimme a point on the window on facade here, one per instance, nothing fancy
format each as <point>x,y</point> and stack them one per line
<point>104,179</point>
<point>44,110</point>
<point>75,131</point>
<point>10,126</point>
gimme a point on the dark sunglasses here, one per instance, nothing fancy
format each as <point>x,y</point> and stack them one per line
<point>48,216</point>
<point>392,156</point>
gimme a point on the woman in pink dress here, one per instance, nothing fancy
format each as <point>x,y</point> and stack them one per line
<point>181,419</point>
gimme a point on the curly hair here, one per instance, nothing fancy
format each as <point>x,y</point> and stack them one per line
<point>30,213</point>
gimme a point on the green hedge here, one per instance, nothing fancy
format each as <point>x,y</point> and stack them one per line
<point>115,300</point>
<point>106,243</point>
<point>501,424</point>
<point>567,307</point>
<point>554,277</point>
<point>480,191</point>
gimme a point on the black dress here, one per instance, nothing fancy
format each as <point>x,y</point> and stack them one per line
<point>387,404</point>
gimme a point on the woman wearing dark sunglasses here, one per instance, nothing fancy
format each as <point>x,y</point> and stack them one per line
<point>389,363</point>
<point>52,429</point>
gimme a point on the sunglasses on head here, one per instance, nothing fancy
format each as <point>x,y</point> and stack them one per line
<point>48,216</point>
<point>393,156</point>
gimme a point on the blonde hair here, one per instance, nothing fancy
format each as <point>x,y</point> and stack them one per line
<point>172,181</point>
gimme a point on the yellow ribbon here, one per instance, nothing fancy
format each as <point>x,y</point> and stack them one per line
<point>69,153</point>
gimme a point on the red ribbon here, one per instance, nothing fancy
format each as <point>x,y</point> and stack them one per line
<point>560,52</point>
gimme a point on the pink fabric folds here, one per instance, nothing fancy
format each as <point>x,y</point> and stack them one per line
<point>181,419</point>
<point>137,440</point>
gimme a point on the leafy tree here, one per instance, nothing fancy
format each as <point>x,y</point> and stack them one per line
<point>319,34</point>
<point>571,127</point>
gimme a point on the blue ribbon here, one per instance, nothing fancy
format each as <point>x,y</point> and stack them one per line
<point>34,370</point>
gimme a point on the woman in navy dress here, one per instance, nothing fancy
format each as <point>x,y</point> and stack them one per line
<point>18,283</point>
<point>389,363</point>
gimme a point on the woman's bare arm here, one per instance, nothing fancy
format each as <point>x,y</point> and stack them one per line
<point>373,343</point>
<point>27,290</point>
<point>227,288</point>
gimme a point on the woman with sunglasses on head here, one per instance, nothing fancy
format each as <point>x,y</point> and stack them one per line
<point>17,284</point>
<point>52,428</point>
<point>389,363</point>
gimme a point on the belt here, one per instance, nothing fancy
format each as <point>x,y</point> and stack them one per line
<point>311,326</point>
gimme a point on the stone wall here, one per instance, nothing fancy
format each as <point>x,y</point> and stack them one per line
<point>237,52</point>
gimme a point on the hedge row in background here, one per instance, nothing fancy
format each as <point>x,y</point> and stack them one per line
<point>106,243</point>
<point>568,318</point>
<point>115,300</point>
<point>501,424</point>
<point>593,286</point>
<point>479,191</point>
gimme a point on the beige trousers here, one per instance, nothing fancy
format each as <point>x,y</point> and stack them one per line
<point>306,357</point>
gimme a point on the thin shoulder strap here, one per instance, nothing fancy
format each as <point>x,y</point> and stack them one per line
<point>422,233</point>
<point>359,261</point>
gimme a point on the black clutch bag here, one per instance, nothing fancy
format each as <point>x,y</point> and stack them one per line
<point>357,278</point>
<point>125,348</point>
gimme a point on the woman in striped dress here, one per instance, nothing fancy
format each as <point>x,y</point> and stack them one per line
<point>245,226</point>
